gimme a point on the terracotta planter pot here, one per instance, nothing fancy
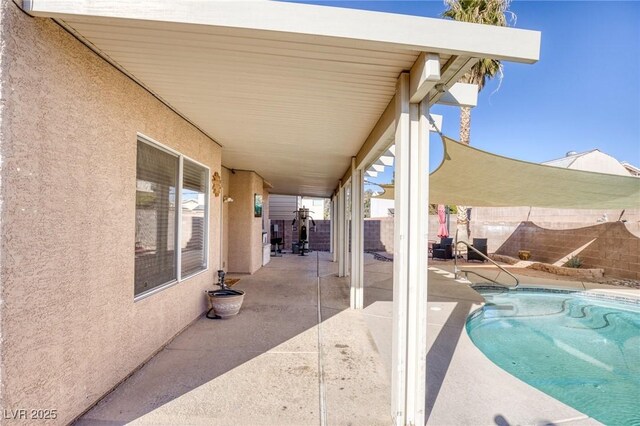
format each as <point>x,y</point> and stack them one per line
<point>226,303</point>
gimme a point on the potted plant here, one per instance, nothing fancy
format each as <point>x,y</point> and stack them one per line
<point>573,262</point>
<point>524,254</point>
<point>225,302</point>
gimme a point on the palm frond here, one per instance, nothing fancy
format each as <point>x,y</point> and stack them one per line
<point>489,12</point>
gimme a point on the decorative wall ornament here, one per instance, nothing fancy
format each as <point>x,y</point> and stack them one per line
<point>216,184</point>
<point>257,205</point>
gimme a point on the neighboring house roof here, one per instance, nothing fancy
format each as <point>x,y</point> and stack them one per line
<point>190,204</point>
<point>633,170</point>
<point>567,160</point>
<point>591,161</point>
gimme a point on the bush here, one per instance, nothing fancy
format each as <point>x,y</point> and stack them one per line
<point>573,262</point>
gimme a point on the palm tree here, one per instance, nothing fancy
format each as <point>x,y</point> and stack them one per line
<point>490,12</point>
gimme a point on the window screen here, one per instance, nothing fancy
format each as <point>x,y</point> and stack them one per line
<point>156,183</point>
<point>194,190</point>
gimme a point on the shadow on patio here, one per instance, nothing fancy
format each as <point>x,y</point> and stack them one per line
<point>261,367</point>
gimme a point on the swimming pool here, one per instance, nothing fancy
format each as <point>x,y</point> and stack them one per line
<point>582,350</point>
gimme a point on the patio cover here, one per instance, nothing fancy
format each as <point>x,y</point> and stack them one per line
<point>469,176</point>
<point>290,91</point>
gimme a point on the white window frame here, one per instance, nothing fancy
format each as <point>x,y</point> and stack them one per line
<point>178,220</point>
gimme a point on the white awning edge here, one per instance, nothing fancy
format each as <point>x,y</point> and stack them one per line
<point>369,29</point>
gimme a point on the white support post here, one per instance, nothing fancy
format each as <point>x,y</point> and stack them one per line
<point>418,248</point>
<point>334,229</point>
<point>340,235</point>
<point>400,248</point>
<point>357,237</point>
<point>410,256</point>
<point>332,234</point>
<point>346,220</point>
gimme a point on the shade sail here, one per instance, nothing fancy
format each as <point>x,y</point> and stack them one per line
<point>469,176</point>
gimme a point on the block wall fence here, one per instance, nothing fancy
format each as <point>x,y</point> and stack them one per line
<point>616,249</point>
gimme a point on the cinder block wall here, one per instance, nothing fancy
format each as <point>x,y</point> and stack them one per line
<point>615,249</point>
<point>378,235</point>
<point>498,223</point>
<point>321,237</point>
<point>70,328</point>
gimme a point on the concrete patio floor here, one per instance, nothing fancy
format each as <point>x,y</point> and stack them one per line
<point>262,367</point>
<point>275,364</point>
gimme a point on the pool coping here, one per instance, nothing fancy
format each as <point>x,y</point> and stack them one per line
<point>630,299</point>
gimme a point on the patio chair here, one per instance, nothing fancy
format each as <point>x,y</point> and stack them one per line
<point>443,249</point>
<point>479,244</point>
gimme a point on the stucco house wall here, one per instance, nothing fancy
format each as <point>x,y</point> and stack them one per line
<point>70,327</point>
<point>245,230</point>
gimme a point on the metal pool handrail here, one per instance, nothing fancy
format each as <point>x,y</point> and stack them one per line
<point>484,256</point>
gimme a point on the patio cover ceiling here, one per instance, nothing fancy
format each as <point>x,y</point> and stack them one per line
<point>472,177</point>
<point>290,91</point>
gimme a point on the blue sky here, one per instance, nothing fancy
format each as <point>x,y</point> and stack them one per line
<point>584,92</point>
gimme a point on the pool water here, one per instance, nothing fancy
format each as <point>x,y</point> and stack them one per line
<point>582,351</point>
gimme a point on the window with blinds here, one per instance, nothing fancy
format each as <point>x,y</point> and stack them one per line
<point>194,191</point>
<point>159,224</point>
